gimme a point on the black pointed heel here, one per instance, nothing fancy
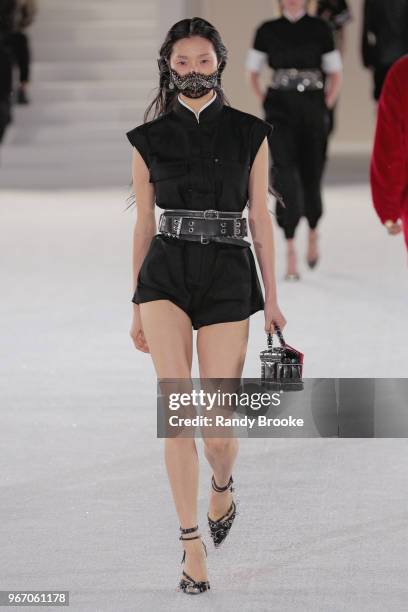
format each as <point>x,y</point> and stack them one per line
<point>312,262</point>
<point>219,528</point>
<point>187,583</point>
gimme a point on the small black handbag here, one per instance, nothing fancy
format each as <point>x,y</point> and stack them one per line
<point>282,366</point>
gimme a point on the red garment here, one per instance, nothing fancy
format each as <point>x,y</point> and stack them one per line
<point>389,161</point>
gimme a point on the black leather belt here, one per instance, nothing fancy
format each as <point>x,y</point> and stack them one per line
<point>204,225</point>
<point>295,79</point>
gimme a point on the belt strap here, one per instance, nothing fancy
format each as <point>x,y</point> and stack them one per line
<point>204,226</point>
<point>210,213</point>
<point>204,240</point>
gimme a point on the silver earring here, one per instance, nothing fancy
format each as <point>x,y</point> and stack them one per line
<point>171,85</point>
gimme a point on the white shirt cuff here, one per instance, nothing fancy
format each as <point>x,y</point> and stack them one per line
<point>255,60</point>
<point>332,62</point>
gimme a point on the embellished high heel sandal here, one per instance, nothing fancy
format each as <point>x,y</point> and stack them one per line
<point>187,583</point>
<point>219,528</point>
<point>292,277</point>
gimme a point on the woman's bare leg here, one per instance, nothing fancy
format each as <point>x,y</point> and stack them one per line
<point>291,257</point>
<point>168,332</point>
<point>221,353</point>
<point>312,247</point>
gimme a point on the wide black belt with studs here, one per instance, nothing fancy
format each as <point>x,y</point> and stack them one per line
<point>298,80</point>
<point>204,226</point>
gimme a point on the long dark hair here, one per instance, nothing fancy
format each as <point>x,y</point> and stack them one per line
<point>166,97</point>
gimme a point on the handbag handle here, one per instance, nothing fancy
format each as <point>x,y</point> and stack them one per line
<point>278,333</point>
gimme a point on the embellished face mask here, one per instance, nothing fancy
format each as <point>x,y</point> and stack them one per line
<point>193,84</point>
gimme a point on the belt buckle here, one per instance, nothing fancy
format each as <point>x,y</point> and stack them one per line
<point>203,239</point>
<point>213,216</point>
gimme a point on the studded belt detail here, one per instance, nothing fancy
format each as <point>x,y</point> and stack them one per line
<point>204,226</point>
<point>298,80</point>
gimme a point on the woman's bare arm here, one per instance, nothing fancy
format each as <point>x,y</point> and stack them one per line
<point>145,226</point>
<point>259,219</point>
<point>144,230</point>
<point>261,227</point>
<point>333,86</point>
<point>254,82</point>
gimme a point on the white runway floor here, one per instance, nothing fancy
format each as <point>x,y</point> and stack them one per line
<point>86,506</point>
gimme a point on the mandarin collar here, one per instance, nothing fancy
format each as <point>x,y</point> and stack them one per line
<point>210,111</point>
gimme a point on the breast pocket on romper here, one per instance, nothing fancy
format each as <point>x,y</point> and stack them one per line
<point>168,178</point>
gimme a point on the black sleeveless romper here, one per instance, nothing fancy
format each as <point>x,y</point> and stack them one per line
<point>201,164</point>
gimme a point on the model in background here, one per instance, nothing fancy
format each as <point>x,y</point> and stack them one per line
<point>389,162</point>
<point>19,44</point>
<point>337,13</point>
<point>384,37</point>
<point>7,10</point>
<point>306,82</point>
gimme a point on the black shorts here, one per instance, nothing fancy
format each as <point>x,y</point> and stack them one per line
<point>212,283</point>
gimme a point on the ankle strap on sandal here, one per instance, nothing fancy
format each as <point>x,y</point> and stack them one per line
<point>186,539</point>
<point>188,530</point>
<point>220,489</point>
